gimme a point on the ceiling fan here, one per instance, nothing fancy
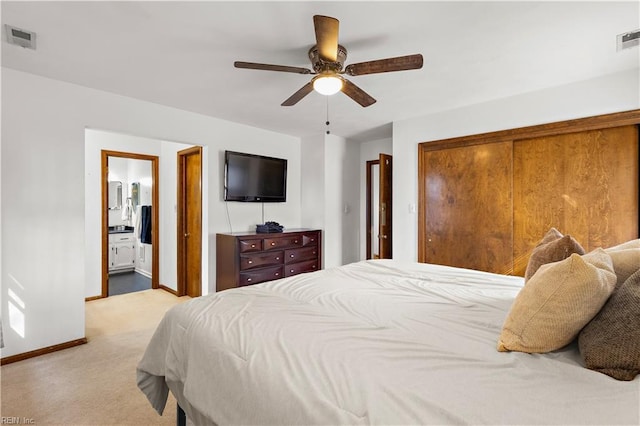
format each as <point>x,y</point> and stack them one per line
<point>327,59</point>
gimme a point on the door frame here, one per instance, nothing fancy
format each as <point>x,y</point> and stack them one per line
<point>385,222</point>
<point>155,215</point>
<point>181,218</point>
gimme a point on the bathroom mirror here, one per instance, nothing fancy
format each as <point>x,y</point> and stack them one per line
<point>115,195</point>
<point>135,195</point>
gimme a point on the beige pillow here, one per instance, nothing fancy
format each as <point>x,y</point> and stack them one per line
<point>559,300</point>
<point>552,248</point>
<point>610,343</point>
<point>626,259</point>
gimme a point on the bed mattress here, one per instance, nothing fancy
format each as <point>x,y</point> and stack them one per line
<point>373,342</point>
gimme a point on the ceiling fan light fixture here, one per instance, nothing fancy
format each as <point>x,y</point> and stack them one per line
<point>327,84</point>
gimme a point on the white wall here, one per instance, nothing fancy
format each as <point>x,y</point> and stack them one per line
<point>330,199</point>
<point>612,93</point>
<point>350,155</point>
<point>312,190</point>
<point>369,151</point>
<point>43,187</point>
<point>342,203</point>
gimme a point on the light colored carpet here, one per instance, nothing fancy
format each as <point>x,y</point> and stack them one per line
<point>95,383</point>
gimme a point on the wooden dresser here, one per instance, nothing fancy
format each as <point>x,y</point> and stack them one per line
<point>244,258</point>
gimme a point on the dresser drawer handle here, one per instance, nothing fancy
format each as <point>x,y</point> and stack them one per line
<point>273,243</point>
<point>277,258</point>
<point>314,252</point>
<point>291,255</point>
<point>295,241</point>
<point>253,246</point>
<point>248,280</point>
<point>277,274</point>
<point>291,270</point>
<point>250,262</point>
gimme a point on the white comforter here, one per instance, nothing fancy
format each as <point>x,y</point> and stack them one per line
<point>374,342</point>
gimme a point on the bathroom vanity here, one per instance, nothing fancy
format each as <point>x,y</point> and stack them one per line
<point>122,249</point>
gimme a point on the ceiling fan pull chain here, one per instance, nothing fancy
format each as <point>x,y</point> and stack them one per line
<point>327,122</point>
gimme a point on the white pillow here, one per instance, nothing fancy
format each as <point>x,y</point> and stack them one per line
<point>626,259</point>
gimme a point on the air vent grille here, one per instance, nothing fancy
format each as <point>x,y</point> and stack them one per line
<point>20,37</point>
<point>628,40</point>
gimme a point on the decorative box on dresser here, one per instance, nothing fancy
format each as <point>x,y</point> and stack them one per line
<point>245,258</point>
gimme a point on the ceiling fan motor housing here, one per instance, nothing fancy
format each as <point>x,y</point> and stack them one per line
<point>321,66</point>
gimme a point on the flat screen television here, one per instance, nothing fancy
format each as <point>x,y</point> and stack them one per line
<point>254,178</point>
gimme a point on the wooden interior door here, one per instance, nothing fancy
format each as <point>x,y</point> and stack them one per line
<point>584,184</point>
<point>467,214</point>
<point>190,222</point>
<point>385,230</point>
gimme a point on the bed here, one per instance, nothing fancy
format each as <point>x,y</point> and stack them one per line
<point>373,342</point>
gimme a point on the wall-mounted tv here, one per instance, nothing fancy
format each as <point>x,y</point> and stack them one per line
<point>254,178</point>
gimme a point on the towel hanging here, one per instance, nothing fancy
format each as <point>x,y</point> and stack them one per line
<point>145,231</point>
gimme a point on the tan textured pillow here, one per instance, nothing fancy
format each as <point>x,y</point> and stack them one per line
<point>610,343</point>
<point>559,300</point>
<point>552,248</point>
<point>626,259</point>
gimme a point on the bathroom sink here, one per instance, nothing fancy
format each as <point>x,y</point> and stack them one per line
<point>120,229</point>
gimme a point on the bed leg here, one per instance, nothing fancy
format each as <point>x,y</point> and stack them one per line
<point>181,417</point>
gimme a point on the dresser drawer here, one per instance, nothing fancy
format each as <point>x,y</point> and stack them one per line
<point>282,242</point>
<point>122,237</point>
<point>250,245</point>
<point>258,260</point>
<point>299,268</point>
<point>310,239</point>
<point>297,255</point>
<point>260,275</point>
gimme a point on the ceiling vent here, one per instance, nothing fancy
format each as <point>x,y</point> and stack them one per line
<point>628,40</point>
<point>22,38</point>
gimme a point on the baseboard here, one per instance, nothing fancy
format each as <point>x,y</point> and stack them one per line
<point>42,351</point>
<point>89,299</point>
<point>143,272</point>
<point>170,290</point>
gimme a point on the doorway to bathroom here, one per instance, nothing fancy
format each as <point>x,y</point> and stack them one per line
<point>130,222</point>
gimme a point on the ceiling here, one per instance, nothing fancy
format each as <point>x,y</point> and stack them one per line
<point>181,54</point>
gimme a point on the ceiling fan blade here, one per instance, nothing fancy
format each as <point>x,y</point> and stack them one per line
<point>268,67</point>
<point>326,37</point>
<point>357,94</point>
<point>304,91</point>
<point>400,63</point>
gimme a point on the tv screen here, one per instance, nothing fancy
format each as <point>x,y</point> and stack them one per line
<point>254,178</point>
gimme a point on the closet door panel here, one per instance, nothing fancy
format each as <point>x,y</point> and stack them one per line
<point>584,184</point>
<point>468,207</point>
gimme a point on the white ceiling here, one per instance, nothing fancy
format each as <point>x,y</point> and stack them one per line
<point>181,54</point>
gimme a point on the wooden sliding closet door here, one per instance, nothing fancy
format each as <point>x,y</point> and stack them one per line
<point>468,207</point>
<point>585,184</point>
